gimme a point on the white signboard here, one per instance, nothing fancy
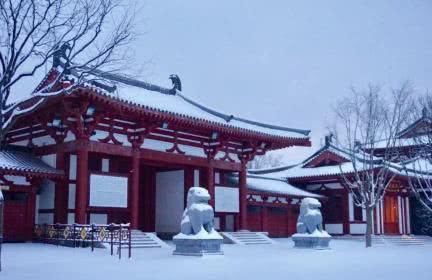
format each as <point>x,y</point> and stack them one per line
<point>227,199</point>
<point>108,191</point>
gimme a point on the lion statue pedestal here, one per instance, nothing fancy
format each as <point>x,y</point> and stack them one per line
<point>198,236</point>
<point>310,233</point>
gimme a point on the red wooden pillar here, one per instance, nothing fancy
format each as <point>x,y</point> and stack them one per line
<point>134,194</point>
<point>188,181</point>
<point>82,186</point>
<point>264,218</point>
<point>289,217</point>
<point>61,193</point>
<point>345,215</point>
<point>31,208</point>
<point>210,184</point>
<point>149,197</point>
<point>243,198</point>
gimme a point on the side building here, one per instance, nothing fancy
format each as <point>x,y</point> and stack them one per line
<point>321,174</point>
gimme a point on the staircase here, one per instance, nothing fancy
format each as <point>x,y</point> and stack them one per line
<point>142,240</point>
<point>395,240</point>
<point>246,238</point>
<point>376,239</point>
<point>408,240</point>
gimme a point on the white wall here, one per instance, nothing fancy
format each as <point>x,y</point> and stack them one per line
<point>169,200</point>
<point>196,178</point>
<point>50,160</point>
<point>71,218</point>
<point>108,191</point>
<point>43,141</point>
<point>334,228</point>
<point>357,228</point>
<point>71,196</point>
<point>17,180</point>
<point>46,195</point>
<point>45,218</point>
<point>72,167</point>
<point>98,218</point>
<point>227,199</point>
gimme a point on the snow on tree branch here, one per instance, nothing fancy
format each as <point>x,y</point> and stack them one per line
<point>367,126</point>
<point>88,34</point>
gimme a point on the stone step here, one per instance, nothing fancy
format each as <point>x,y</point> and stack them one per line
<point>246,238</point>
<point>395,240</point>
<point>141,239</point>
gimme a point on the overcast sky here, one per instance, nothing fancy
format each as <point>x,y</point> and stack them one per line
<point>285,62</point>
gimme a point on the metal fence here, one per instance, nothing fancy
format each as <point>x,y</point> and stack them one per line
<point>79,235</point>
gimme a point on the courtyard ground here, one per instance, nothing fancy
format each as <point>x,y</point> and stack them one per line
<point>346,260</point>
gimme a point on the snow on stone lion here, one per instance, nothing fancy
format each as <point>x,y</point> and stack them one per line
<point>310,218</point>
<point>198,216</point>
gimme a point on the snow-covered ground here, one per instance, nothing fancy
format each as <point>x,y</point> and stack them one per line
<point>346,260</point>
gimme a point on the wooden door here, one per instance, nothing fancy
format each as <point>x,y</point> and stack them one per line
<point>277,222</point>
<point>391,215</point>
<point>293,213</point>
<point>15,217</point>
<point>254,218</point>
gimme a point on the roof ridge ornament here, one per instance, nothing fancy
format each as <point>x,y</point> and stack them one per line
<point>60,53</point>
<point>328,139</point>
<point>425,112</point>
<point>176,82</point>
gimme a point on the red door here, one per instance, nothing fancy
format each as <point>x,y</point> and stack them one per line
<point>277,222</point>
<point>15,217</point>
<point>391,215</point>
<point>293,213</point>
<point>254,218</point>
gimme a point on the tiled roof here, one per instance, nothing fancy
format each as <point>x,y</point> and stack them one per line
<point>363,162</point>
<point>173,101</point>
<point>23,163</point>
<point>273,186</point>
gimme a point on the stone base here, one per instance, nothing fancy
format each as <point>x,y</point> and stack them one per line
<point>198,247</point>
<point>312,242</point>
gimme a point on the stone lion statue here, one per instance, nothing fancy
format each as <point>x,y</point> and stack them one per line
<point>310,218</point>
<point>198,215</point>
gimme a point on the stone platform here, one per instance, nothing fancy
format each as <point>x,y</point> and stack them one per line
<point>198,247</point>
<point>310,241</point>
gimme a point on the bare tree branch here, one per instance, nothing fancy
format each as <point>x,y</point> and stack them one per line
<point>32,32</point>
<point>367,125</point>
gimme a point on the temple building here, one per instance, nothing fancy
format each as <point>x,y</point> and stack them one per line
<point>111,149</point>
<point>322,174</point>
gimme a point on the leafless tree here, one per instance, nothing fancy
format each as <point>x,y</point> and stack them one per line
<point>419,168</point>
<point>367,123</point>
<point>265,161</point>
<point>89,34</point>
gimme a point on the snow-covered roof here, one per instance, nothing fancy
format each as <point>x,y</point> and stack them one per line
<point>174,101</point>
<point>273,186</point>
<point>418,166</point>
<point>399,143</point>
<point>363,160</point>
<point>24,163</point>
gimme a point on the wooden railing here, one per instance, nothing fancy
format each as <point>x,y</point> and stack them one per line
<point>79,235</point>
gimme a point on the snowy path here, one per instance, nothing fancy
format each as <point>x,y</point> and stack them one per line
<point>347,260</point>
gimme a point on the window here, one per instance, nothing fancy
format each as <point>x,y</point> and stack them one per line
<point>358,213</point>
<point>253,209</point>
<point>332,209</point>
